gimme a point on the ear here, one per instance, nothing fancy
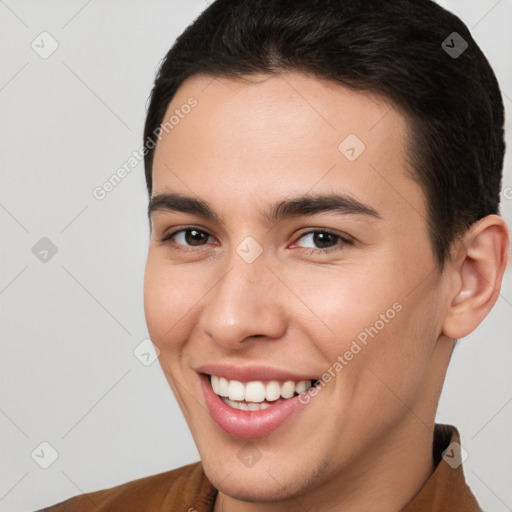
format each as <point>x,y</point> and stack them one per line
<point>475,272</point>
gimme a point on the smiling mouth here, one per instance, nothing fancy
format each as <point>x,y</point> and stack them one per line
<point>257,395</point>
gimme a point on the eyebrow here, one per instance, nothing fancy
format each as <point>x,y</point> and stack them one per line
<point>305,205</point>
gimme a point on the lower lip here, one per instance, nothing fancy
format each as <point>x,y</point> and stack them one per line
<point>247,424</point>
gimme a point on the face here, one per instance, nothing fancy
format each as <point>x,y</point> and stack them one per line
<point>342,290</point>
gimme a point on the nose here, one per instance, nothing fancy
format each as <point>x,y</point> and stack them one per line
<point>245,304</point>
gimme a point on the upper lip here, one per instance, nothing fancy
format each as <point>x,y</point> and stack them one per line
<point>251,372</point>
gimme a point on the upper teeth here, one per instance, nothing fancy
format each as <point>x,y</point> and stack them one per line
<point>256,390</point>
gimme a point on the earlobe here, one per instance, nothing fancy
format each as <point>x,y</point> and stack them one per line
<point>481,260</point>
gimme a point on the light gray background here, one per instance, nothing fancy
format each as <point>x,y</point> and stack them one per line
<point>69,326</point>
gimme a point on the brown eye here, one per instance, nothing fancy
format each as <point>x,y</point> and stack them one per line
<point>188,237</point>
<point>323,239</point>
<point>195,237</point>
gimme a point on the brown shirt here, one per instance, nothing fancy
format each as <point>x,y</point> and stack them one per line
<point>187,489</point>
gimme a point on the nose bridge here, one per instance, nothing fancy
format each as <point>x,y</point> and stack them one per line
<point>243,301</point>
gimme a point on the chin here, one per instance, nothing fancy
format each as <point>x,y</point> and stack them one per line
<point>262,484</point>
<point>250,490</point>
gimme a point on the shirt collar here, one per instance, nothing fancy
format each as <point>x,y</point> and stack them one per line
<point>446,489</point>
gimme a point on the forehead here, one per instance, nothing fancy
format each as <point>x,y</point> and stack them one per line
<point>262,136</point>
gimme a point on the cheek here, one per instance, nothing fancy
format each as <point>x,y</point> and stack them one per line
<point>365,314</point>
<point>342,304</point>
<point>169,298</point>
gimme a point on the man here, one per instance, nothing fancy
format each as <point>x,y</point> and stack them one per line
<point>324,227</point>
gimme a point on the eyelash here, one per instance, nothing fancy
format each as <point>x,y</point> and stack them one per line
<point>345,240</point>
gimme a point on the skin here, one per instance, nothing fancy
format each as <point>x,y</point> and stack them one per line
<point>365,441</point>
